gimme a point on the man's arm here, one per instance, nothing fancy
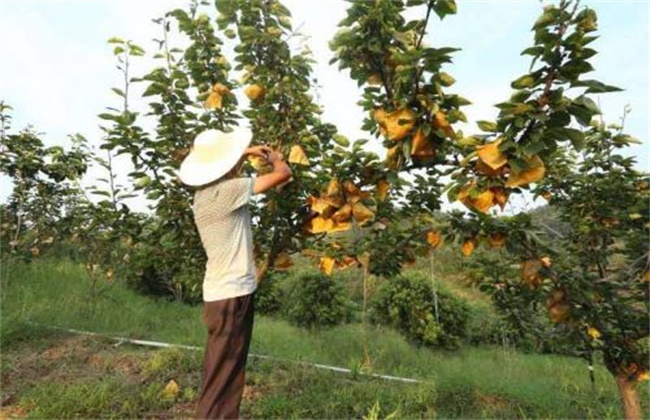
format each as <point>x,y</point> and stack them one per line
<point>280,174</point>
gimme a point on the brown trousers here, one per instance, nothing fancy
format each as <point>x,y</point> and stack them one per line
<point>230,326</point>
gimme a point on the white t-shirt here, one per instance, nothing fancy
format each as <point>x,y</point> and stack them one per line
<point>222,217</point>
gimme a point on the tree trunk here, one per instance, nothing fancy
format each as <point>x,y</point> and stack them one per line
<point>629,397</point>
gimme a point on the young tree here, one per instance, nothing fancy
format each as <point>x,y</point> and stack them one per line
<point>600,281</point>
<point>45,192</point>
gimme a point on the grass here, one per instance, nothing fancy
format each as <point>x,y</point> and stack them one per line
<point>473,382</point>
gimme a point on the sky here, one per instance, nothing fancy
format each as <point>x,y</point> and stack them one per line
<point>56,68</point>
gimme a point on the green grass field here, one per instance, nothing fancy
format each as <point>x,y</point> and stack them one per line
<point>50,374</point>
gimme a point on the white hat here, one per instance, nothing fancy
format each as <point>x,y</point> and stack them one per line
<point>214,154</point>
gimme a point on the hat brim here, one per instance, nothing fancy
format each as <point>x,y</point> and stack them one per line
<point>200,170</point>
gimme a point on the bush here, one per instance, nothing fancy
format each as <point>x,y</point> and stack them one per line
<point>406,303</point>
<point>269,296</point>
<point>316,300</point>
<point>485,326</point>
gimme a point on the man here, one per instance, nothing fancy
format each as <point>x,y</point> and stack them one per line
<point>223,220</point>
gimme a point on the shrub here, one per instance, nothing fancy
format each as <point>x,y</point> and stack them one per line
<point>406,303</point>
<point>485,326</point>
<point>316,300</point>
<point>269,295</point>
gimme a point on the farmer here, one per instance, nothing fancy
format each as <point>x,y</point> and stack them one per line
<point>223,220</point>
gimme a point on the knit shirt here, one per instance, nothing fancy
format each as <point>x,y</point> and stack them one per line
<point>224,223</point>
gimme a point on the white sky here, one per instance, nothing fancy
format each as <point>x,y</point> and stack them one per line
<point>56,68</point>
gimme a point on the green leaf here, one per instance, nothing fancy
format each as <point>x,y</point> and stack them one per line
<point>517,165</point>
<point>534,51</point>
<point>153,89</point>
<point>587,103</point>
<point>576,67</point>
<point>226,7</point>
<point>576,137</point>
<point>143,182</point>
<point>446,79</point>
<point>523,82</point>
<point>487,126</point>
<point>559,119</point>
<point>452,194</point>
<point>135,50</point>
<point>341,140</point>
<point>444,8</point>
<point>115,40</point>
<point>547,18</point>
<point>119,92</point>
<point>581,114</point>
<point>109,117</point>
<point>285,22</point>
<point>594,86</point>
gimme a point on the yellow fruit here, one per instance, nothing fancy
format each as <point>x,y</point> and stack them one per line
<point>610,221</point>
<point>556,296</point>
<point>434,239</point>
<point>327,265</point>
<point>529,272</point>
<point>421,146</point>
<point>340,227</point>
<point>334,187</point>
<point>559,309</point>
<point>254,92</point>
<point>382,189</point>
<point>352,192</point>
<point>395,125</point>
<point>468,247</point>
<point>346,262</point>
<point>482,202</point>
<point>546,262</point>
<point>374,79</point>
<point>215,98</point>
<point>393,158</point>
<point>497,240</point>
<point>593,333</point>
<point>179,154</point>
<point>500,197</point>
<point>335,201</point>
<point>361,213</point>
<point>533,173</point>
<point>171,389</point>
<point>220,89</point>
<point>643,376</point>
<point>298,156</point>
<point>283,261</point>
<point>320,224</point>
<point>491,156</point>
<point>343,214</point>
<point>484,169</point>
<point>319,205</point>
<point>559,313</point>
<point>261,165</point>
<point>214,101</point>
<point>440,122</point>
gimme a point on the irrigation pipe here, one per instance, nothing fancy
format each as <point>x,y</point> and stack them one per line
<point>158,344</point>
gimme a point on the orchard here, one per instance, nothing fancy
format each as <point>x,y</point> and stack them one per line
<point>347,207</point>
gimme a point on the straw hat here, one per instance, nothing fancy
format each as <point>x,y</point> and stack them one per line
<point>214,154</point>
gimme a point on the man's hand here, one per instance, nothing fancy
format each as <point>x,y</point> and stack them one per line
<point>261,151</point>
<point>275,156</point>
<point>281,173</point>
